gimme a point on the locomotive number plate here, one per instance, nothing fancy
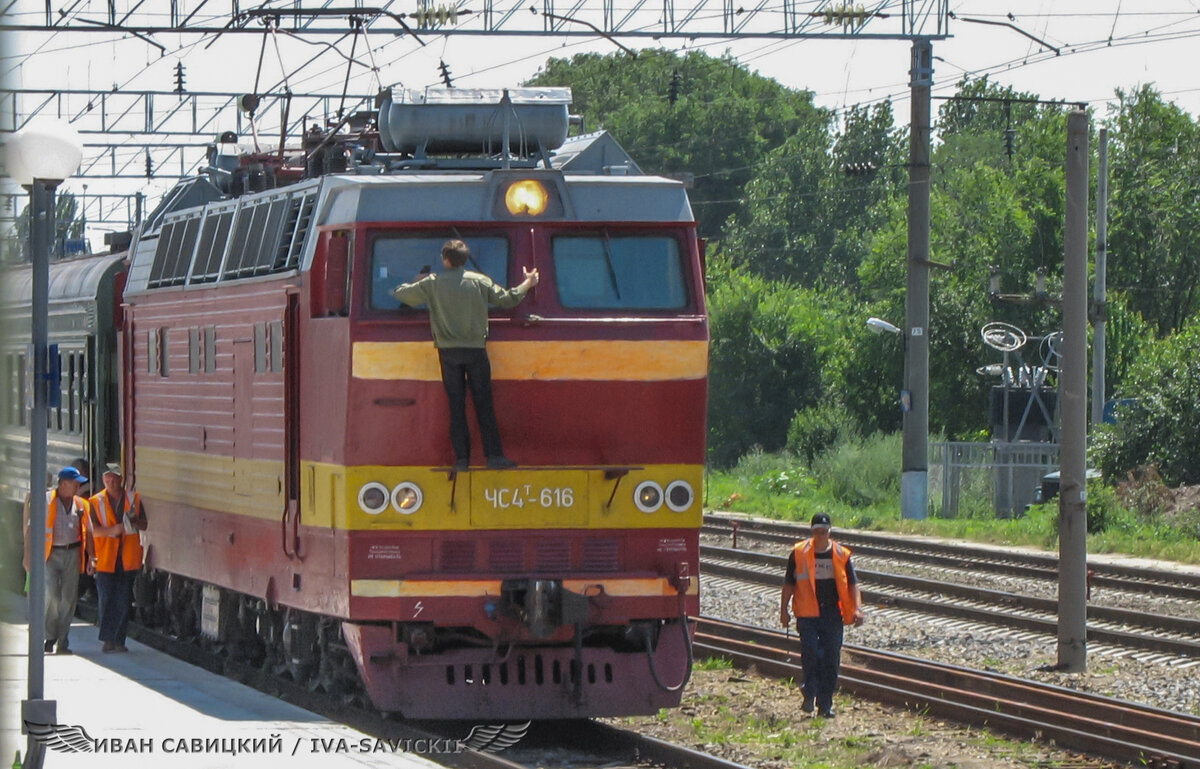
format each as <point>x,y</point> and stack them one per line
<point>508,497</point>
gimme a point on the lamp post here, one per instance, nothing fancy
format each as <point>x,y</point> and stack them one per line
<point>39,157</point>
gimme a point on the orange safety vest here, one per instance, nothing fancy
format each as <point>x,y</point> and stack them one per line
<point>129,544</point>
<point>804,595</point>
<point>81,507</point>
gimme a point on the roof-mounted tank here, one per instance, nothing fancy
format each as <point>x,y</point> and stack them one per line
<point>474,120</point>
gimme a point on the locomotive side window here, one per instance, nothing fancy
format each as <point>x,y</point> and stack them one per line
<point>400,260</point>
<point>642,272</point>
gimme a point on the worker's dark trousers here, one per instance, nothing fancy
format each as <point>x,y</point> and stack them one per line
<point>821,654</point>
<point>466,368</point>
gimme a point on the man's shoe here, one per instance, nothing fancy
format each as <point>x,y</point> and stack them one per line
<point>808,705</point>
<point>122,648</point>
<point>49,647</point>
<point>826,713</point>
<point>501,463</point>
<point>108,647</point>
<point>462,465</point>
<point>64,649</point>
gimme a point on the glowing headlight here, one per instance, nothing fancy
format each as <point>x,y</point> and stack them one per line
<point>648,496</point>
<point>679,496</point>
<point>373,498</point>
<point>407,498</point>
<point>526,197</point>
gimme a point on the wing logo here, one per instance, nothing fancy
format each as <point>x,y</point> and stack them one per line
<point>493,738</point>
<point>61,737</point>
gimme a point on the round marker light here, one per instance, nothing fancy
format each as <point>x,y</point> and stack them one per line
<point>679,496</point>
<point>373,498</point>
<point>407,498</point>
<point>527,197</point>
<point>648,496</point>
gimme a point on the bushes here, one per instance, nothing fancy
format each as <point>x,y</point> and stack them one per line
<point>817,428</point>
<point>862,471</point>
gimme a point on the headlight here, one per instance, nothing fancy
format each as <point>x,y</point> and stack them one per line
<point>407,498</point>
<point>648,496</point>
<point>373,498</point>
<point>679,496</point>
<point>527,196</point>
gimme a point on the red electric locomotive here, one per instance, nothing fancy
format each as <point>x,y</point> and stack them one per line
<point>285,421</point>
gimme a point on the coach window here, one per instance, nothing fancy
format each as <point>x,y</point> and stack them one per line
<point>402,260</point>
<point>608,272</point>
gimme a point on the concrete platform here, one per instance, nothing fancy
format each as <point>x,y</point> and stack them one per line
<point>151,710</point>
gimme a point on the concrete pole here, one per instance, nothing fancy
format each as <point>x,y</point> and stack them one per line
<point>41,235</point>
<point>914,476</point>
<point>1072,513</point>
<point>1100,287</point>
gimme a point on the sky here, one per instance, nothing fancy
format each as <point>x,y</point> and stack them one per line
<point>1102,46</point>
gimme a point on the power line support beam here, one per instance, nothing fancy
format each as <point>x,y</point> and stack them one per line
<point>1072,500</point>
<point>914,477</point>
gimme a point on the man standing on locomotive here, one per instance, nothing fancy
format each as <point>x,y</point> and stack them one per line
<point>822,589</point>
<point>458,302</point>
<point>66,511</point>
<point>117,520</point>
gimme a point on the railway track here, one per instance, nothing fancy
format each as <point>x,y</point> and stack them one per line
<point>1032,566</point>
<point>573,744</point>
<point>1092,724</point>
<point>1117,627</point>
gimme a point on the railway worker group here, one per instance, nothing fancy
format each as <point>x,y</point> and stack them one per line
<point>821,589</point>
<point>98,536</point>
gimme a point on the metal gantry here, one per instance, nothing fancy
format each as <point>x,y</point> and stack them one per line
<point>787,19</point>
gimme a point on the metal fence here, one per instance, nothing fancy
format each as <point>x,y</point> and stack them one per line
<point>971,474</point>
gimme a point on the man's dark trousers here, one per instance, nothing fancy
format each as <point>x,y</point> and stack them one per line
<point>821,654</point>
<point>115,591</point>
<point>466,368</point>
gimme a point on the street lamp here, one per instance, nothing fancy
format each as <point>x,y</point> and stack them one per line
<point>39,157</point>
<point>879,325</point>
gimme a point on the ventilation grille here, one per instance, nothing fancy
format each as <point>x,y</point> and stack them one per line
<point>600,555</point>
<point>458,556</point>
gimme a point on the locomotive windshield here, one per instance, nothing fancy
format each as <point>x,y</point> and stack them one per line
<point>401,260</point>
<point>601,272</point>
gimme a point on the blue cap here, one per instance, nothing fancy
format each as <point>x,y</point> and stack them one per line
<point>71,474</point>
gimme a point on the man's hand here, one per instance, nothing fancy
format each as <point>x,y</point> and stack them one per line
<point>531,277</point>
<point>785,619</point>
<point>858,618</point>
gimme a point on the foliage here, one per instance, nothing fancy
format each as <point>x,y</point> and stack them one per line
<point>724,120</point>
<point>767,340</point>
<point>807,220</point>
<point>1154,231</point>
<point>862,471</point>
<point>817,428</point>
<point>1162,427</point>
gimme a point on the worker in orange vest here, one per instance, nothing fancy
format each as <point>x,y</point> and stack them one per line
<point>116,523</point>
<point>66,512</point>
<point>822,590</point>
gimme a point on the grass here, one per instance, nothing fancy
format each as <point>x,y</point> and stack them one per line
<point>857,484</point>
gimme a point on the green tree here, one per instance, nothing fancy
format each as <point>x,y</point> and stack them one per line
<point>808,220</point>
<point>1162,428</point>
<point>1154,210</point>
<point>722,122</point>
<point>768,340</point>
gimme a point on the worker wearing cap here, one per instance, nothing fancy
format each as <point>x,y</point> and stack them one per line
<point>117,520</point>
<point>822,590</point>
<point>66,511</point>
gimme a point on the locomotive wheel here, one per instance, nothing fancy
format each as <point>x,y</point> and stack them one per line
<point>183,606</point>
<point>146,589</point>
<point>300,644</point>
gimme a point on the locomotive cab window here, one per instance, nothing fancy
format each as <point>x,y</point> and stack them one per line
<point>401,260</point>
<point>606,272</point>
